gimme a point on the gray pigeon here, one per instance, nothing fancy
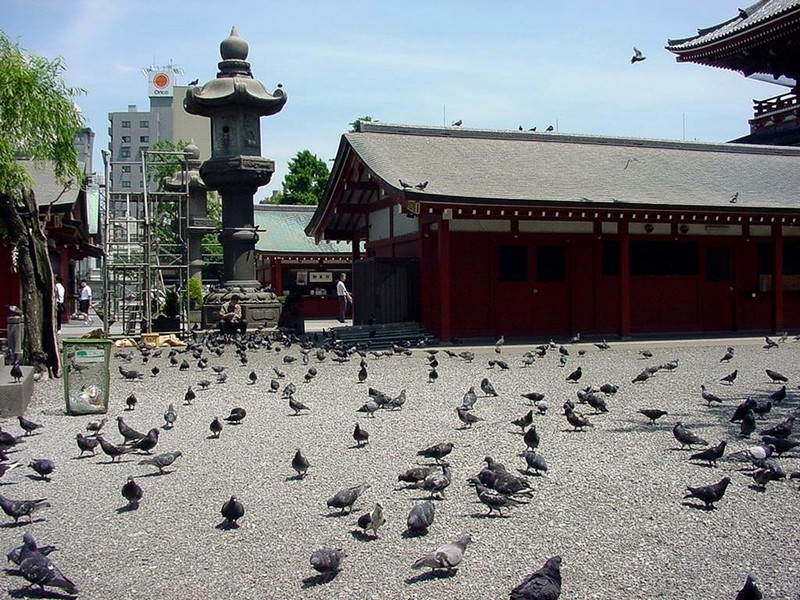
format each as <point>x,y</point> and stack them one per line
<point>420,517</point>
<point>544,584</point>
<point>300,464</point>
<point>22,508</point>
<point>488,388</point>
<point>16,555</point>
<point>370,407</point>
<point>447,557</point>
<point>346,498</point>
<point>494,501</point>
<point>686,437</point>
<point>466,417</point>
<point>535,461</point>
<point>327,561</point>
<point>297,406</point>
<point>437,452</point>
<point>437,483</point>
<point>43,467</point>
<point>470,398</point>
<point>170,416</point>
<point>162,461</point>
<point>39,570</point>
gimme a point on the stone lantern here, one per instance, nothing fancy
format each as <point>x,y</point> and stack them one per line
<point>235,102</point>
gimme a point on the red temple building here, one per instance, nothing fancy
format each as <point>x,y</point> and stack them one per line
<point>761,40</point>
<point>481,233</point>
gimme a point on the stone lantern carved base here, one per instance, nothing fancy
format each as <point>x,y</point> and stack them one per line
<point>259,306</point>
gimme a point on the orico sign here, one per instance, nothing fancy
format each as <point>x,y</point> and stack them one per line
<point>160,84</point>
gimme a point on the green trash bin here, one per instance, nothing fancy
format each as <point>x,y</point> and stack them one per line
<point>86,375</point>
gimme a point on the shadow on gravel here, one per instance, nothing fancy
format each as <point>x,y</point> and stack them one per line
<point>697,506</point>
<point>362,536</point>
<point>27,592</point>
<point>16,524</point>
<point>430,575</point>
<point>408,534</point>
<point>226,525</point>
<point>315,580</point>
<point>127,508</point>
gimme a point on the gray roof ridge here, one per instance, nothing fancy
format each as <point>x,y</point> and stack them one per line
<point>572,138</point>
<point>286,207</point>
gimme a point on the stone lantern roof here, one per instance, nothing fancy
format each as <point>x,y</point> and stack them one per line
<point>234,85</point>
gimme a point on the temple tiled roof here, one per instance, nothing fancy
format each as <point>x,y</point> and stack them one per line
<point>756,14</point>
<point>504,167</point>
<point>281,231</point>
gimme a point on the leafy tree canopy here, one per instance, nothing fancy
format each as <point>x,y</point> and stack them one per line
<point>38,119</point>
<point>354,124</point>
<point>306,180</point>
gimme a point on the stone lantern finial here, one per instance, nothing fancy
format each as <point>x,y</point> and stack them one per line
<point>234,47</point>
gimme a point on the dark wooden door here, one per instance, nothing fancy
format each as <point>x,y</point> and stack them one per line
<point>717,293</point>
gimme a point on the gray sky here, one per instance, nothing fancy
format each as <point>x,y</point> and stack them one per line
<point>495,65</point>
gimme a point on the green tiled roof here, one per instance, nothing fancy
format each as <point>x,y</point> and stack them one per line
<point>281,231</point>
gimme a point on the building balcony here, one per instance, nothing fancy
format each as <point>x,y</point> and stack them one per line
<point>775,113</point>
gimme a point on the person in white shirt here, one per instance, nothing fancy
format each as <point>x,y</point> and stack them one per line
<point>60,307</point>
<point>85,302</point>
<point>343,295</point>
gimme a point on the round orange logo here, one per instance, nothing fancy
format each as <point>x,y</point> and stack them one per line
<point>161,80</point>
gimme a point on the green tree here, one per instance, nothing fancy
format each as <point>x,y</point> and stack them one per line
<point>354,124</point>
<point>38,121</point>
<point>306,180</point>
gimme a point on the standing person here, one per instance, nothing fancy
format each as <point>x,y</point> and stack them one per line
<point>85,302</point>
<point>344,296</point>
<point>230,317</point>
<point>60,308</point>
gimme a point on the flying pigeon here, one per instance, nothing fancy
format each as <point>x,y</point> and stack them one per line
<point>637,56</point>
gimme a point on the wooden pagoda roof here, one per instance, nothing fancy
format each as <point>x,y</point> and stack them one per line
<point>522,169</point>
<point>762,38</point>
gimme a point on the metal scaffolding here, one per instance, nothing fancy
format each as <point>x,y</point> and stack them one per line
<point>146,248</point>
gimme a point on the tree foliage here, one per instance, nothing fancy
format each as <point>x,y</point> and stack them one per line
<point>306,180</point>
<point>38,120</point>
<point>354,124</point>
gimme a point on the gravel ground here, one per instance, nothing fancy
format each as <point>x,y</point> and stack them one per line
<point>611,504</point>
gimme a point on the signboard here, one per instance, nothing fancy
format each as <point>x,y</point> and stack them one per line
<point>159,83</point>
<point>320,277</point>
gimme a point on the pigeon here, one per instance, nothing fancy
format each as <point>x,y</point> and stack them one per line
<point>742,409</point>
<point>170,416</point>
<point>494,501</point>
<point>781,444</point>
<point>162,461</point>
<point>603,345</point>
<point>372,521</point>
<point>420,518</point>
<point>297,406</point>
<point>576,419</point>
<point>361,436</point>
<point>193,82</point>
<point>447,556</point>
<point>776,377</point>
<point>781,430</point>
<point>763,409</point>
<point>27,425</point>
<point>148,442</point>
<point>729,353</point>
<point>686,437</point>
<point>39,570</point>
<point>778,396</point>
<point>534,461</point>
<point>129,433</point>
<point>155,371</point>
<point>6,467</point>
<point>637,56</point>
<point>437,452</point>
<point>253,377</point>
<point>416,474</point>
<point>398,401</point>
<point>550,128</point>
<point>709,396</point>
<point>711,455</point>
<point>488,388</point>
<point>43,467</point>
<point>22,508</point>
<point>753,453</point>
<point>524,420</point>
<point>184,366</point>
<point>96,426</point>
<point>730,377</point>
<point>469,399</point>
<point>237,415</point>
<point>132,492</point>
<point>597,402</point>
<point>544,584</point>
<point>750,589</point>
<point>466,417</point>
<point>362,374</point>
<point>458,123</point>
<point>436,483</point>
<point>113,450</point>
<point>748,424</point>
<point>709,494</point>
<point>189,396</point>
<point>300,464</point>
<point>653,414</point>
<point>643,376</point>
<point>16,372</point>
<point>327,561</point>
<point>346,498</point>
<point>232,511</point>
<point>216,427</point>
<point>421,186</point>
<point>130,402</point>
<point>531,438</point>
<point>769,343</point>
<point>405,185</point>
<point>433,375</point>
<point>762,476</point>
<point>369,407</point>
<point>86,444</point>
<point>204,384</point>
<point>16,555</point>
<point>575,375</point>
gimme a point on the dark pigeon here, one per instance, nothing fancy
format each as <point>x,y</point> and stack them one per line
<point>215,427</point>
<point>712,454</point>
<point>544,584</point>
<point>43,467</point>
<point>86,444</point>
<point>653,414</point>
<point>132,492</point>
<point>232,511</point>
<point>686,437</point>
<point>39,570</point>
<point>22,508</point>
<point>776,377</point>
<point>27,425</point>
<point>327,561</point>
<point>420,517</point>
<point>346,498</point>
<point>300,464</point>
<point>750,589</point>
<point>709,494</point>
<point>437,452</point>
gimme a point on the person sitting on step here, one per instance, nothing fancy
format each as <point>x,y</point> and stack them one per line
<point>230,316</point>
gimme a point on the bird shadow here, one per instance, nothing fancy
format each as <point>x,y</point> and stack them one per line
<point>155,474</point>
<point>408,534</point>
<point>430,575</point>
<point>362,536</point>
<point>356,446</point>
<point>757,488</point>
<point>81,457</point>
<point>530,473</point>
<point>212,437</point>
<point>697,506</point>
<point>127,508</point>
<point>33,477</point>
<point>28,592</point>
<point>16,524</point>
<point>320,579</point>
<point>226,525</point>
<point>334,515</point>
<point>490,515</point>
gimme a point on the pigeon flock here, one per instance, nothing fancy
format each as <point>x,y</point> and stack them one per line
<point>269,466</point>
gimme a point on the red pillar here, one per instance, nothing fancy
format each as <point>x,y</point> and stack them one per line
<point>445,332</point>
<point>624,280</point>
<point>276,275</point>
<point>777,276</point>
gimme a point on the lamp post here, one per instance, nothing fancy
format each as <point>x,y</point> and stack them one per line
<point>234,102</point>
